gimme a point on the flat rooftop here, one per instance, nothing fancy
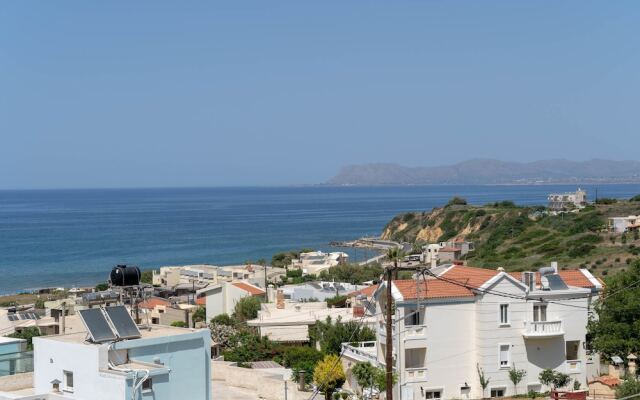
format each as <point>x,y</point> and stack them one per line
<point>155,332</point>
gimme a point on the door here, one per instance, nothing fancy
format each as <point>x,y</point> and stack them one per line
<point>407,393</point>
<point>539,313</point>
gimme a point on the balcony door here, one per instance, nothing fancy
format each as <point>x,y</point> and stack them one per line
<point>539,313</point>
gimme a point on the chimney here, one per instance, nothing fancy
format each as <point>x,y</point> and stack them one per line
<point>280,299</point>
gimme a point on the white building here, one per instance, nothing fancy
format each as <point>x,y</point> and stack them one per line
<point>318,291</point>
<point>624,224</point>
<point>165,363</point>
<point>567,201</point>
<point>314,262</point>
<point>223,297</point>
<point>286,321</point>
<point>445,330</point>
<point>186,274</point>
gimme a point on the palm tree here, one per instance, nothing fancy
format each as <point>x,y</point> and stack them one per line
<point>395,255</point>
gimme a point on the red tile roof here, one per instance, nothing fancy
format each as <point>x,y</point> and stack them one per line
<point>253,290</point>
<point>431,289</point>
<point>201,301</point>
<point>152,302</point>
<point>470,276</point>
<point>368,291</point>
<point>573,277</point>
<point>607,380</point>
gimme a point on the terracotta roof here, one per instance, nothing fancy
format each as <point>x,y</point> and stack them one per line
<point>607,380</point>
<point>449,249</point>
<point>368,291</point>
<point>201,301</point>
<point>431,289</point>
<point>153,302</point>
<point>253,290</point>
<point>570,277</point>
<point>470,276</point>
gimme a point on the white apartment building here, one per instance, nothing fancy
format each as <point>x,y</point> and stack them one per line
<point>624,224</point>
<point>314,262</point>
<point>564,201</point>
<point>223,297</point>
<point>186,274</point>
<point>445,330</point>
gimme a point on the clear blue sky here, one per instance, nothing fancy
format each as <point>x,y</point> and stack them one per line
<point>155,93</point>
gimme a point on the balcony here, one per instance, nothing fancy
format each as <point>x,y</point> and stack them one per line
<point>573,366</point>
<point>415,374</point>
<point>361,351</point>
<point>543,329</point>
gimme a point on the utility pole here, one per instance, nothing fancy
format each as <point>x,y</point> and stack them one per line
<point>389,339</point>
<point>266,292</point>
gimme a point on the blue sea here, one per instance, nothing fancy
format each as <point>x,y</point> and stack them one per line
<point>74,237</point>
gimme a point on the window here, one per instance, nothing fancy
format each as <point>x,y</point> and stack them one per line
<point>539,312</point>
<point>147,385</point>
<point>433,394</point>
<point>504,314</point>
<point>497,392</point>
<point>68,381</point>
<point>504,356</point>
<point>572,349</point>
<point>414,317</point>
<point>415,358</point>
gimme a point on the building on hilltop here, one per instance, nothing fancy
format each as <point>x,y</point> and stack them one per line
<point>624,224</point>
<point>567,201</point>
<point>468,318</point>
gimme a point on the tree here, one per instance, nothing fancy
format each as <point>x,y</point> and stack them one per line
<point>301,359</point>
<point>484,381</point>
<point>457,201</point>
<point>179,324</point>
<point>627,388</point>
<point>101,287</point>
<point>365,374</point>
<point>328,375</point>
<point>146,276</point>
<point>330,335</point>
<point>352,273</point>
<point>28,334</point>
<point>223,335</point>
<point>515,376</point>
<point>616,330</point>
<point>553,378</point>
<point>247,346</point>
<point>39,304</point>
<point>337,301</point>
<point>199,315</point>
<point>247,308</point>
<point>223,319</point>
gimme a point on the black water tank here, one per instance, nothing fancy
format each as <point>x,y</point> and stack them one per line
<point>123,275</point>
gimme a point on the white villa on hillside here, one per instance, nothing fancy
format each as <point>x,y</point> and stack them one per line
<point>472,318</point>
<point>314,262</point>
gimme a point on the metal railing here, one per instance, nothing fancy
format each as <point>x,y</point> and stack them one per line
<point>364,351</point>
<point>16,363</point>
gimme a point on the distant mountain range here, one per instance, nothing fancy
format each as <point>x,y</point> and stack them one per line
<point>488,171</point>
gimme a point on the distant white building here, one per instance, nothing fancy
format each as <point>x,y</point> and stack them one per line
<point>165,363</point>
<point>446,252</point>
<point>201,274</point>
<point>567,201</point>
<point>314,262</point>
<point>319,291</point>
<point>445,330</point>
<point>223,297</point>
<point>624,224</point>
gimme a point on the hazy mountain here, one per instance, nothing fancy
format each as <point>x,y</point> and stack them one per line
<point>487,171</point>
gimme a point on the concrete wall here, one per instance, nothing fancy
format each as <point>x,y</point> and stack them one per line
<point>268,385</point>
<point>16,382</point>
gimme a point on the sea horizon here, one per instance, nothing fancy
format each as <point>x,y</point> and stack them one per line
<point>73,237</point>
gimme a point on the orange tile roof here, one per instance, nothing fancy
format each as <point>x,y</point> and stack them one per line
<point>201,301</point>
<point>449,249</point>
<point>573,277</point>
<point>152,302</point>
<point>368,291</point>
<point>253,290</point>
<point>470,276</point>
<point>607,380</point>
<point>431,289</point>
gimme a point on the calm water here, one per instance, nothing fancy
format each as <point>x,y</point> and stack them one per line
<point>66,237</point>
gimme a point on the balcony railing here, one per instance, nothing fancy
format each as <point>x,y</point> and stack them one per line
<point>415,331</point>
<point>415,374</point>
<point>16,363</point>
<point>362,351</point>
<point>543,329</point>
<point>573,366</point>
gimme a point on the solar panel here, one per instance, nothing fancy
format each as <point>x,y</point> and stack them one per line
<point>125,326</point>
<point>97,325</point>
<point>13,317</point>
<point>556,282</point>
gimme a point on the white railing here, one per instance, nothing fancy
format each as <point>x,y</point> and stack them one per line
<point>415,331</point>
<point>573,366</point>
<point>415,374</point>
<point>364,351</point>
<point>543,328</point>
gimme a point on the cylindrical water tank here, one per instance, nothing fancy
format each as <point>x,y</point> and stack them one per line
<point>123,275</point>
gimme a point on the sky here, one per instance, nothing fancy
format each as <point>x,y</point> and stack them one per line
<point>164,93</point>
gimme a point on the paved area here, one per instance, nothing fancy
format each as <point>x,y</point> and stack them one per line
<point>221,391</point>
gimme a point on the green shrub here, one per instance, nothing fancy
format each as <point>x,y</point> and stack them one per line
<point>627,388</point>
<point>606,200</point>
<point>457,201</point>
